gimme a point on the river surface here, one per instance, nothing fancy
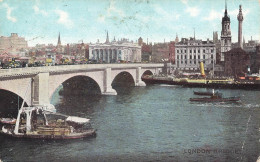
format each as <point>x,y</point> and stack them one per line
<point>152,123</point>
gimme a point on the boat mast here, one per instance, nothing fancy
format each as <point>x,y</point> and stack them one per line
<point>20,111</point>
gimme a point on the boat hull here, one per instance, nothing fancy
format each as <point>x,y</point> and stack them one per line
<point>252,86</point>
<point>215,100</point>
<point>203,93</point>
<point>85,134</point>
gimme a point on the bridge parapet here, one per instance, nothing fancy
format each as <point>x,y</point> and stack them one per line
<point>63,68</point>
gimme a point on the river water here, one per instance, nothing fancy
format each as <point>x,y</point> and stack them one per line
<point>152,123</point>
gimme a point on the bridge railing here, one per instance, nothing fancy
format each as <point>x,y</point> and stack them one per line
<point>42,69</point>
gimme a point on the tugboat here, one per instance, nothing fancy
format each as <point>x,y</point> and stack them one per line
<point>32,122</point>
<point>216,97</point>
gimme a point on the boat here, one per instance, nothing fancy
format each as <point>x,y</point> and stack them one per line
<point>40,122</point>
<point>203,93</point>
<point>216,98</point>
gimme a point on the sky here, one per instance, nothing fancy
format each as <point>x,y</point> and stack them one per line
<point>40,21</point>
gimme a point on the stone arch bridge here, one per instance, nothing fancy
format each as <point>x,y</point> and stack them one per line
<point>36,85</point>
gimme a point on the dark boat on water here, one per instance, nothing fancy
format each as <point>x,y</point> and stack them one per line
<point>203,93</point>
<point>216,97</point>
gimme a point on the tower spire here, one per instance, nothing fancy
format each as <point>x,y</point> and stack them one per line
<point>59,42</point>
<point>225,7</point>
<point>194,32</point>
<point>107,39</point>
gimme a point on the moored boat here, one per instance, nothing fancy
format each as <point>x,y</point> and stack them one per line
<point>32,122</point>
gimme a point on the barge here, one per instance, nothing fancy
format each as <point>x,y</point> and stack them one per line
<point>32,122</point>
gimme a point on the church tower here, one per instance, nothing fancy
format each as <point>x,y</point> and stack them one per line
<point>176,39</point>
<point>59,47</point>
<point>225,34</point>
<point>240,20</point>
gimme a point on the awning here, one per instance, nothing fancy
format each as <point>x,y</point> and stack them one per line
<point>78,120</point>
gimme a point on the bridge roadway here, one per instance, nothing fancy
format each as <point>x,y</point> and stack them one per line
<point>41,82</point>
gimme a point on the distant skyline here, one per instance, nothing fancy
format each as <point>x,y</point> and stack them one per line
<point>40,21</point>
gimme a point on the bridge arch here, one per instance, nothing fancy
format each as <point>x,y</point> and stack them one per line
<point>122,79</point>
<point>19,87</point>
<point>147,72</point>
<point>56,80</point>
<point>79,85</point>
<point>10,102</point>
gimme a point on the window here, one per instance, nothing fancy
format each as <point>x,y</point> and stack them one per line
<point>194,57</point>
<point>190,51</point>
<point>181,56</point>
<point>211,56</point>
<point>212,50</point>
<point>212,61</point>
<point>203,51</point>
<point>185,51</point>
<point>185,57</point>
<point>190,62</point>
<point>185,62</point>
<point>203,56</point>
<point>177,51</point>
<point>177,56</point>
<point>190,57</point>
<point>181,62</point>
<point>198,56</point>
<point>194,51</point>
<point>181,51</point>
<point>198,51</point>
<point>194,62</point>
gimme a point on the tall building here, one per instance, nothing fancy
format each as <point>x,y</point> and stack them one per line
<point>240,20</point>
<point>190,52</point>
<point>114,51</point>
<point>140,41</point>
<point>215,36</point>
<point>225,34</point>
<point>12,43</point>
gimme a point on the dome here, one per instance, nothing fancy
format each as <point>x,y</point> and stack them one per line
<point>226,18</point>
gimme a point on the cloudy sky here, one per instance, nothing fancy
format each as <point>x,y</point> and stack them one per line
<point>40,21</point>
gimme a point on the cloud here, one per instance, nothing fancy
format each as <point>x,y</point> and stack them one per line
<point>236,11</point>
<point>38,11</point>
<point>9,12</point>
<point>64,18</point>
<point>1,0</point>
<point>111,11</point>
<point>167,16</point>
<point>213,15</point>
<point>193,11</point>
<point>184,1</point>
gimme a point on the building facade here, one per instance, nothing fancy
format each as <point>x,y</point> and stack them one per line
<point>115,51</point>
<point>12,43</point>
<point>190,52</point>
<point>160,52</point>
<point>237,62</point>
<point>225,35</point>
